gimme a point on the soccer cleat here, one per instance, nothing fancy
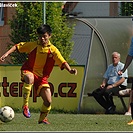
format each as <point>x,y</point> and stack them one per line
<point>45,121</point>
<point>26,111</point>
<point>130,122</point>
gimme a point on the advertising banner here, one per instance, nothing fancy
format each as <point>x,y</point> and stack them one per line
<point>65,88</point>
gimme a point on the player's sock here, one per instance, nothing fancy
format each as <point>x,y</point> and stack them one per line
<point>44,112</point>
<point>26,93</point>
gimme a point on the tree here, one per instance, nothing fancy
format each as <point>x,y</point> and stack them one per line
<point>23,26</point>
<point>62,31</point>
<point>126,8</point>
<point>29,16</point>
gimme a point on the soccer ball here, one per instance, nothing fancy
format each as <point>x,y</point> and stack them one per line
<point>6,114</point>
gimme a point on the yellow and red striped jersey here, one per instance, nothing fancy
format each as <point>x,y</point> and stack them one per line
<point>41,60</point>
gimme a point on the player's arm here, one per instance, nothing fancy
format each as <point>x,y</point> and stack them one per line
<point>104,83</point>
<point>2,58</point>
<point>60,61</point>
<point>127,63</point>
<point>118,82</point>
<point>69,69</point>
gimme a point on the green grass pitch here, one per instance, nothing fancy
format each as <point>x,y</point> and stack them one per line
<point>69,122</point>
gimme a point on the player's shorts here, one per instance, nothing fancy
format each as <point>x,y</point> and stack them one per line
<point>39,82</point>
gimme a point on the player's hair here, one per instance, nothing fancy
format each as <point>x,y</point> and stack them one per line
<point>117,54</point>
<point>43,29</point>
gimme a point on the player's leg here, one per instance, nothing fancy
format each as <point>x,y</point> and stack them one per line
<point>131,104</point>
<point>28,79</point>
<point>98,95</point>
<point>109,98</point>
<point>45,94</point>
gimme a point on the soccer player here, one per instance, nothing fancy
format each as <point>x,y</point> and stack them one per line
<point>127,63</point>
<point>42,56</point>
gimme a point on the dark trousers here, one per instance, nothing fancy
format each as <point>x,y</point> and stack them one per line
<point>104,96</point>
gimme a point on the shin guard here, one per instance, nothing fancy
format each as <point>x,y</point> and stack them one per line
<point>26,93</point>
<point>44,112</point>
